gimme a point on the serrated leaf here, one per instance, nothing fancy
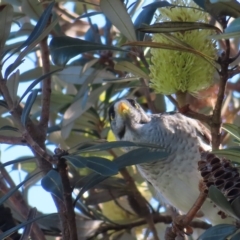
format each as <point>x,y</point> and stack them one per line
<point>52,183</point>
<point>118,15</point>
<point>38,80</point>
<point>102,166</point>
<point>12,85</point>
<point>218,232</point>
<point>117,144</point>
<point>28,105</point>
<point>140,155</point>
<point>13,190</point>
<point>6,17</point>
<point>8,128</point>
<point>77,161</point>
<point>19,226</point>
<point>168,27</point>
<point>232,129</point>
<point>62,49</point>
<point>219,199</point>
<point>232,153</point>
<point>126,66</point>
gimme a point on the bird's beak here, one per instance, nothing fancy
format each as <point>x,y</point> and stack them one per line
<point>123,108</point>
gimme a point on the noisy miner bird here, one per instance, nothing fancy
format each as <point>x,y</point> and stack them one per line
<point>176,178</point>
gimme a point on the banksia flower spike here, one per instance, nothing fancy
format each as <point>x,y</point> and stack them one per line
<point>180,72</point>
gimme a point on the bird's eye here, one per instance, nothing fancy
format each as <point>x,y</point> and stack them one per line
<point>133,103</point>
<point>111,113</point>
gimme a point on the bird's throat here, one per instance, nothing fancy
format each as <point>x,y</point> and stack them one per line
<point>121,133</point>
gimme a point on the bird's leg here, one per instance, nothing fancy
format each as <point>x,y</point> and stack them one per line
<point>180,225</point>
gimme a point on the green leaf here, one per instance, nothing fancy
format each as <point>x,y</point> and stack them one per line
<point>3,104</point>
<point>117,144</point>
<point>140,155</point>
<point>12,84</point>
<point>179,47</point>
<point>102,166</point>
<point>236,207</point>
<point>35,82</point>
<point>13,190</point>
<point>126,66</point>
<point>121,80</point>
<point>77,161</point>
<point>14,229</point>
<point>29,48</point>
<point>232,129</point>
<point>20,160</point>
<point>236,236</point>
<point>146,15</point>
<point>218,232</point>
<point>117,14</point>
<point>62,49</point>
<point>219,199</point>
<point>92,180</point>
<point>52,183</point>
<point>8,128</point>
<point>32,8</point>
<point>27,108</point>
<point>6,17</point>
<point>220,8</point>
<point>168,27</point>
<point>232,153</point>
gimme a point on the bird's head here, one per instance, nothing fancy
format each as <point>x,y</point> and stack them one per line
<point>125,115</point>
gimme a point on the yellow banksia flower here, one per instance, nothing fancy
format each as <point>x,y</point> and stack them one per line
<point>175,71</point>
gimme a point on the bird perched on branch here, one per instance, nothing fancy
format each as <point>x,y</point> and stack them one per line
<point>176,178</point>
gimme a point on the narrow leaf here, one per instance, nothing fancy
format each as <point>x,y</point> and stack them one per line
<point>232,153</point>
<point>140,155</point>
<point>8,128</point>
<point>219,199</point>
<point>35,82</point>
<point>52,183</point>
<point>62,49</point>
<point>218,232</point>
<point>172,26</point>
<point>12,84</point>
<point>102,166</point>
<point>27,108</point>
<point>13,190</point>
<point>3,104</point>
<point>14,229</point>
<point>20,160</point>
<point>232,129</point>
<point>126,66</point>
<point>117,14</point>
<point>77,161</point>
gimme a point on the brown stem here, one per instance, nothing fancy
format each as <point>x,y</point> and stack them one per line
<point>216,120</point>
<point>69,227</point>
<point>46,86</point>
<point>12,140</point>
<point>20,205</point>
<point>157,218</point>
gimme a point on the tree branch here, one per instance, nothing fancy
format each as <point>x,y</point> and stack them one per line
<point>46,86</point>
<point>12,140</point>
<point>216,120</point>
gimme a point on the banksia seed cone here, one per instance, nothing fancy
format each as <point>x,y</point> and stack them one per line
<point>176,71</point>
<point>220,173</point>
